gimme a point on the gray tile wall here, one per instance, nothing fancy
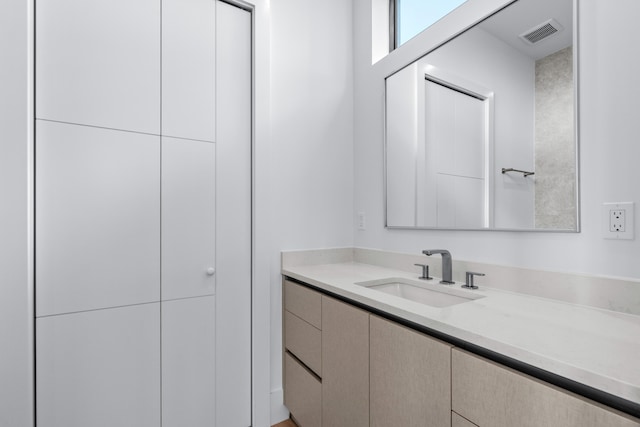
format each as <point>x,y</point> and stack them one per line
<point>555,147</point>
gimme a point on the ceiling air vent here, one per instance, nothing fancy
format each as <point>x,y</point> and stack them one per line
<point>540,32</point>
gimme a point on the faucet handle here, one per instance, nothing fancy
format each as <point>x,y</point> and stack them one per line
<point>469,280</point>
<point>425,272</point>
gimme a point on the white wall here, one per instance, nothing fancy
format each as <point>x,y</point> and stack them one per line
<point>16,298</point>
<point>609,132</point>
<point>402,112</point>
<point>311,140</point>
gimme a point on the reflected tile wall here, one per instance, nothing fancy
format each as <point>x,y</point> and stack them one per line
<point>555,148</point>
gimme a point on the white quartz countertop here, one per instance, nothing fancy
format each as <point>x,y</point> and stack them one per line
<point>595,347</point>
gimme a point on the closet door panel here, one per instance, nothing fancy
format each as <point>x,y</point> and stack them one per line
<point>99,368</point>
<point>98,63</point>
<point>188,218</point>
<point>233,217</point>
<point>188,69</point>
<point>188,362</point>
<point>97,218</point>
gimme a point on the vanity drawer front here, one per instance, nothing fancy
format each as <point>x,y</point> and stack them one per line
<point>410,376</point>
<point>303,302</point>
<point>458,421</point>
<point>302,393</point>
<point>489,394</point>
<point>304,341</point>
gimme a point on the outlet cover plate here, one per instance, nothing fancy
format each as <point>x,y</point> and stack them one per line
<point>362,221</point>
<point>617,220</point>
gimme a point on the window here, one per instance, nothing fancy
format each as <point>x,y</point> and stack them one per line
<point>410,17</point>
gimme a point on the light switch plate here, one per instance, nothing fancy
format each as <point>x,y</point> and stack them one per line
<point>362,221</point>
<point>617,220</point>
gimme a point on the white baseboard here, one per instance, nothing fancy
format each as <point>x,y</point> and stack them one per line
<point>279,412</point>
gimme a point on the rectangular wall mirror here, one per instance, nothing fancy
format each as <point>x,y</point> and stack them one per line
<point>481,133</point>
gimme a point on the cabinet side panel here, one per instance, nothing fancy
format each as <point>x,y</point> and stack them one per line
<point>345,365</point>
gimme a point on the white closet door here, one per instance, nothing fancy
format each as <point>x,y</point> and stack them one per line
<point>188,218</point>
<point>188,367</point>
<point>456,140</point>
<point>97,218</point>
<point>233,217</point>
<point>188,69</point>
<point>98,63</point>
<point>99,368</point>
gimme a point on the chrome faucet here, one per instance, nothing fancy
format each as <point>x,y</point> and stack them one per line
<point>446,264</point>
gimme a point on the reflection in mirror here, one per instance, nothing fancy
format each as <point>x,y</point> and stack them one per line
<point>413,16</point>
<point>480,133</point>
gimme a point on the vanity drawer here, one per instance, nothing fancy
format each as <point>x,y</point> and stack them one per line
<point>302,393</point>
<point>458,421</point>
<point>489,394</point>
<point>303,302</point>
<point>304,341</point>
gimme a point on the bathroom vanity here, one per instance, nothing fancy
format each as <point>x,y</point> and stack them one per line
<point>358,353</point>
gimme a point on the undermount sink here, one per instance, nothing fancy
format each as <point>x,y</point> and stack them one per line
<point>434,295</point>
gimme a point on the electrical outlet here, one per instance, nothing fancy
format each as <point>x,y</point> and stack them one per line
<point>617,220</point>
<point>362,221</point>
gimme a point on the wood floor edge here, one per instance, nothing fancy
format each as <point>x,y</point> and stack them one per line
<point>285,423</point>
